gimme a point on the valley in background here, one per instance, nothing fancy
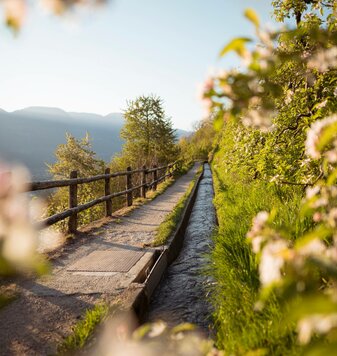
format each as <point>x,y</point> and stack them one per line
<point>30,136</point>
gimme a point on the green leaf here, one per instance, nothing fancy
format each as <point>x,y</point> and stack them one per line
<point>237,45</point>
<point>183,328</point>
<point>252,16</point>
<point>332,177</point>
<point>218,123</point>
<point>142,331</point>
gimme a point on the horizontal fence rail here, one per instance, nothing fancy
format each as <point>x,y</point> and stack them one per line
<point>74,181</point>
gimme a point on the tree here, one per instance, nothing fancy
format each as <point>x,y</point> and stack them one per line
<point>148,133</point>
<point>289,83</point>
<point>287,9</point>
<point>77,154</point>
<point>200,143</point>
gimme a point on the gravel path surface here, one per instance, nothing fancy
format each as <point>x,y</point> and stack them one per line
<point>48,307</point>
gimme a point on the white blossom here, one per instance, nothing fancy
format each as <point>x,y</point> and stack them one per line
<point>266,39</point>
<point>275,178</point>
<point>258,119</point>
<point>320,202</point>
<point>226,89</point>
<point>316,323</point>
<point>255,235</point>
<point>272,261</point>
<point>331,155</point>
<point>324,59</point>
<point>312,191</point>
<point>313,136</point>
<point>332,217</point>
<point>18,219</point>
<point>315,247</point>
<point>322,104</point>
<point>289,97</point>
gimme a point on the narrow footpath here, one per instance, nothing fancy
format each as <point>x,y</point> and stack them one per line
<point>98,265</point>
<point>182,294</point>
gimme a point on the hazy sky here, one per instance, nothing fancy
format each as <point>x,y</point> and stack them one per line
<point>128,48</point>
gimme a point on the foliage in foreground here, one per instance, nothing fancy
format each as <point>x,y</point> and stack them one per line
<point>121,337</point>
<point>241,327</point>
<point>278,295</point>
<point>19,233</point>
<point>15,11</point>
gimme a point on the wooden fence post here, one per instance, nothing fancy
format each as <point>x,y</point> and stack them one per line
<point>129,186</point>
<point>107,191</point>
<point>143,190</point>
<point>155,177</point>
<point>72,223</point>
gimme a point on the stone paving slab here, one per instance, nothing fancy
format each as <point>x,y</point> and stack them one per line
<point>107,261</point>
<point>36,322</point>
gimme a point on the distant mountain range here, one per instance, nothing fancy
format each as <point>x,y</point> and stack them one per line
<point>30,136</point>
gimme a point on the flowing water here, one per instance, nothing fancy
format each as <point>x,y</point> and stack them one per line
<point>182,294</point>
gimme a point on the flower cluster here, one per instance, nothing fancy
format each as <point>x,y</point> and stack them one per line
<point>271,248</point>
<point>314,145</point>
<point>15,11</point>
<point>258,119</point>
<point>323,60</point>
<point>19,233</point>
<point>299,267</point>
<point>315,324</point>
<point>282,265</point>
<point>308,266</point>
<point>286,87</point>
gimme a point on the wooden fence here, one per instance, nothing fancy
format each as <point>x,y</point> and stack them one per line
<point>157,174</point>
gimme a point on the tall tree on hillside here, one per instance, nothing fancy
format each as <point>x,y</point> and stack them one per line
<point>148,133</point>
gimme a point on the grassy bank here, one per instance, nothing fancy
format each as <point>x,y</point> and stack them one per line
<point>168,226</point>
<point>241,328</point>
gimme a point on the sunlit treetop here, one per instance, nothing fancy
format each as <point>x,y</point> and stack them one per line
<point>285,9</point>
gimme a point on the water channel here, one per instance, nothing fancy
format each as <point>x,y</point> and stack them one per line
<point>182,293</point>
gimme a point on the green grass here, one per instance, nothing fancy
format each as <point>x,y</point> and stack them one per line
<point>84,329</point>
<point>240,327</point>
<point>168,226</point>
